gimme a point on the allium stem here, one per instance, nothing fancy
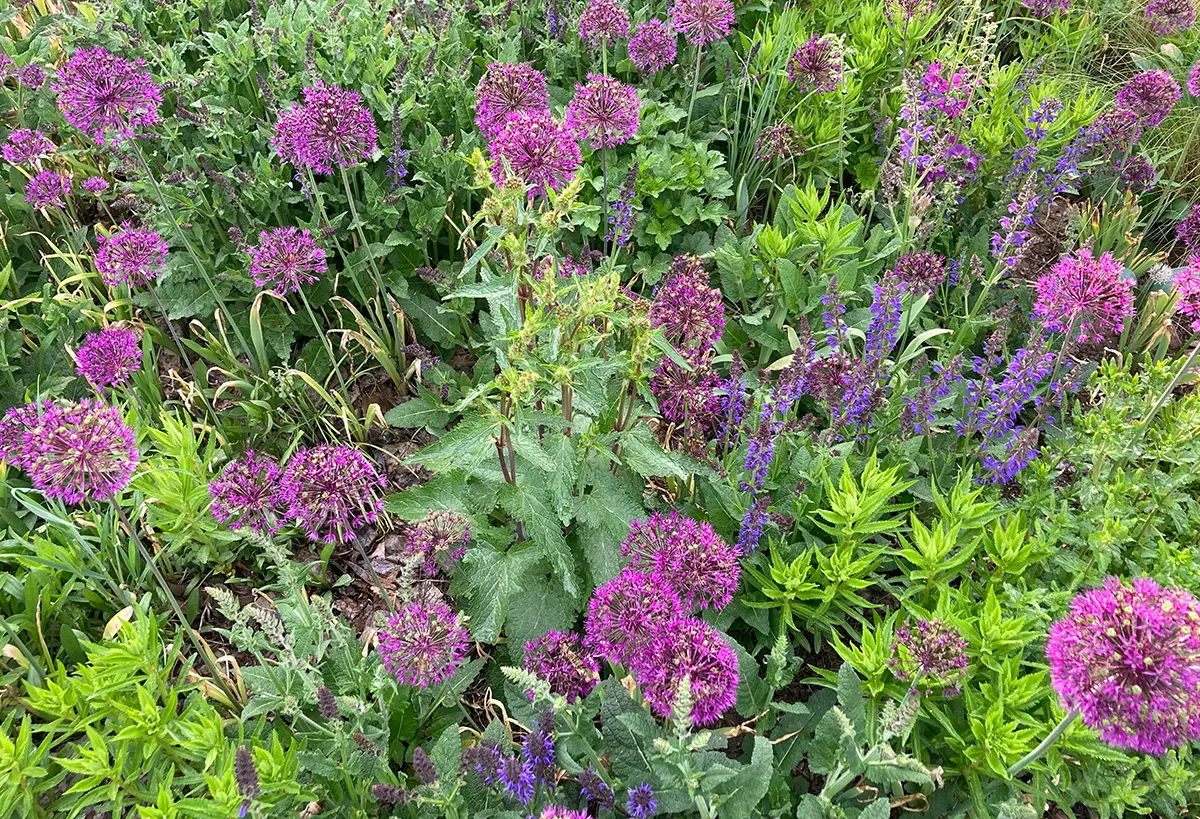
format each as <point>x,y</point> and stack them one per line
<point>1037,753</point>
<point>695,85</point>
<point>604,217</point>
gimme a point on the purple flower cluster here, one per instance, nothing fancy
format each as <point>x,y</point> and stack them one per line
<point>507,89</point>
<point>685,555</point>
<point>246,495</point>
<point>815,66</point>
<point>779,141</point>
<point>603,22</point>
<point>1118,130</point>
<point>439,540</point>
<point>652,46</point>
<point>94,185</point>
<point>690,313</point>
<point>48,189</point>
<point>623,218</point>
<point>1127,657</point>
<point>931,654</point>
<point>928,137</point>
<point>107,97</point>
<point>74,452</point>
<point>1090,297</point>
<point>24,146</point>
<point>920,271</point>
<point>624,613</point>
<point>1187,293</point>
<point>423,643</point>
<point>1170,17</point>
<point>520,776</point>
<point>1193,83</point>
<point>1046,8</point>
<point>560,659</point>
<point>536,149</point>
<point>688,649</point>
<point>560,812</point>
<point>1151,95</point>
<point>329,491</point>
<point>641,803</point>
<point>13,426</point>
<point>31,76</point>
<point>285,260</point>
<point>604,111</point>
<point>595,790</point>
<point>134,256</point>
<point>109,357</point>
<point>687,396</point>
<point>702,21</point>
<point>332,127</point>
<point>1188,230</point>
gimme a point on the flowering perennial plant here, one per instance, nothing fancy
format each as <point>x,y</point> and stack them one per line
<point>423,643</point>
<point>134,256</point>
<point>507,89</point>
<point>107,97</point>
<point>245,495</point>
<point>285,260</point>
<point>1089,297</point>
<point>331,128</point>
<point>80,451</point>
<point>330,491</point>
<point>109,357</point>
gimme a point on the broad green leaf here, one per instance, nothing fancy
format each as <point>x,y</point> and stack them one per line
<point>494,578</point>
<point>532,507</point>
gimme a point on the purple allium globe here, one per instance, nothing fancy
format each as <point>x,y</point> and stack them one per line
<point>94,185</point>
<point>1170,17</point>
<point>778,142</point>
<point>560,659</point>
<point>285,260</point>
<point>687,396</point>
<point>1187,293</point>
<point>507,89</point>
<point>1118,130</point>
<point>604,111</point>
<point>1089,297</point>
<point>423,643</point>
<point>80,451</point>
<point>702,21</point>
<point>688,648</point>
<point>439,539</point>
<point>920,271</point>
<point>1151,95</point>
<point>652,46</point>
<point>16,422</point>
<point>48,189</point>
<point>536,149</point>
<point>1137,174</point>
<point>1046,8</point>
<point>1188,230</point>
<point>1127,658</point>
<point>107,97</point>
<point>7,67</point>
<point>690,313</point>
<point>134,256</point>
<point>641,803</point>
<point>331,128</point>
<point>31,76</point>
<point>560,812</point>
<point>815,66</point>
<point>685,555</point>
<point>603,21</point>
<point>25,146</point>
<point>931,654</point>
<point>1193,83</point>
<point>245,493</point>
<point>109,357</point>
<point>902,12</point>
<point>625,613</point>
<point>329,491</point>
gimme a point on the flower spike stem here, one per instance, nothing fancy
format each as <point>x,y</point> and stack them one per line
<point>1051,738</point>
<point>695,84</point>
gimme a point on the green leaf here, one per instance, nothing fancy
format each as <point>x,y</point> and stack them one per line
<point>643,455</point>
<point>750,785</point>
<point>532,507</point>
<point>542,607</point>
<point>466,446</point>
<point>879,809</point>
<point>445,492</point>
<point>850,698</point>
<point>494,578</point>
<point>447,754</point>
<point>606,512</point>
<point>563,473</point>
<point>423,410</point>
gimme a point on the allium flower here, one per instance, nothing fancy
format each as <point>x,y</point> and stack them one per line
<point>1046,8</point>
<point>134,256</point>
<point>902,12</point>
<point>691,313</point>
<point>1151,95</point>
<point>1169,17</point>
<point>931,654</point>
<point>815,66</point>
<point>332,127</point>
<point>920,272</point>
<point>652,46</point>
<point>560,659</point>
<point>16,422</point>
<point>7,67</point>
<point>685,555</point>
<point>80,451</point>
<point>779,141</point>
<point>559,812</point>
<point>507,89</point>
<point>329,491</point>
<point>285,260</point>
<point>31,76</point>
<point>94,185</point>
<point>244,496</point>
<point>1187,292</point>
<point>48,188</point>
<point>538,150</point>
<point>687,397</point>
<point>1137,174</point>
<point>604,111</point>
<point>423,644</point>
<point>106,96</point>
<point>1117,130</point>
<point>1194,81</point>
<point>641,804</point>
<point>702,21</point>
<point>440,539</point>
<point>1085,295</point>
<point>1188,229</point>
<point>603,21</point>
<point>625,613</point>
<point>109,357</point>
<point>24,145</point>
<point>688,648</point>
<point>1127,657</point>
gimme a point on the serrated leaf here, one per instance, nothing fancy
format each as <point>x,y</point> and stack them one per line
<point>532,508</point>
<point>423,410</point>
<point>494,578</point>
<point>606,511</point>
<point>467,445</point>
<point>641,453</point>
<point>750,784</point>
<point>850,698</point>
<point>447,753</point>
<point>563,473</point>
<point>543,607</point>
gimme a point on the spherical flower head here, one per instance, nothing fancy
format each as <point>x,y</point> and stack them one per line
<point>16,422</point>
<point>1151,95</point>
<point>507,89</point>
<point>1170,17</point>
<point>641,804</point>
<point>332,127</point>
<point>80,451</point>
<point>135,257</point>
<point>1137,174</point>
<point>1086,296</point>
<point>48,189</point>
<point>1046,8</point>
<point>603,21</point>
<point>109,357</point>
<point>604,111</point>
<point>652,46</point>
<point>778,142</point>
<point>31,76</point>
<point>423,643</point>
<point>686,555</point>
<point>1193,83</point>
<point>625,613</point>
<point>329,491</point>
<point>538,150</point>
<point>107,97</point>
<point>1118,130</point>
<point>1187,293</point>
<point>1127,658</point>
<point>245,493</point>
<point>815,66</point>
<point>1188,230</point>
<point>931,654</point>
<point>702,21</point>
<point>25,146</point>
<point>691,314</point>
<point>920,271</point>
<point>559,812</point>
<point>95,185</point>
<point>691,649</point>
<point>285,260</point>
<point>560,659</point>
<point>439,539</point>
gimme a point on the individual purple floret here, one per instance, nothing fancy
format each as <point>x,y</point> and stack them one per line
<point>538,150</point>
<point>109,357</point>
<point>1151,95</point>
<point>560,659</point>
<point>331,128</point>
<point>641,803</point>
<point>439,539</point>
<point>1127,657</point>
<point>24,146</point>
<point>815,66</point>
<point>702,21</point>
<point>625,613</point>
<point>48,189</point>
<point>330,491</point>
<point>16,422</point>
<point>246,493</point>
<point>285,260</point>
<point>507,89</point>
<point>690,313</point>
<point>930,654</point>
<point>652,46</point>
<point>134,256</point>
<point>604,111</point>
<point>685,555</point>
<point>80,451</point>
<point>688,648</point>
<point>107,97</point>
<point>603,21</point>
<point>1089,297</point>
<point>423,644</point>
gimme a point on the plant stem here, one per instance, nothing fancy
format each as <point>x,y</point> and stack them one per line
<point>324,336</point>
<point>1051,738</point>
<point>184,357</point>
<point>695,85</point>
<point>604,217</point>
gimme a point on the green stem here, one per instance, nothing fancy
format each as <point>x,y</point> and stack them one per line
<point>324,336</point>
<point>695,85</point>
<point>1037,753</point>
